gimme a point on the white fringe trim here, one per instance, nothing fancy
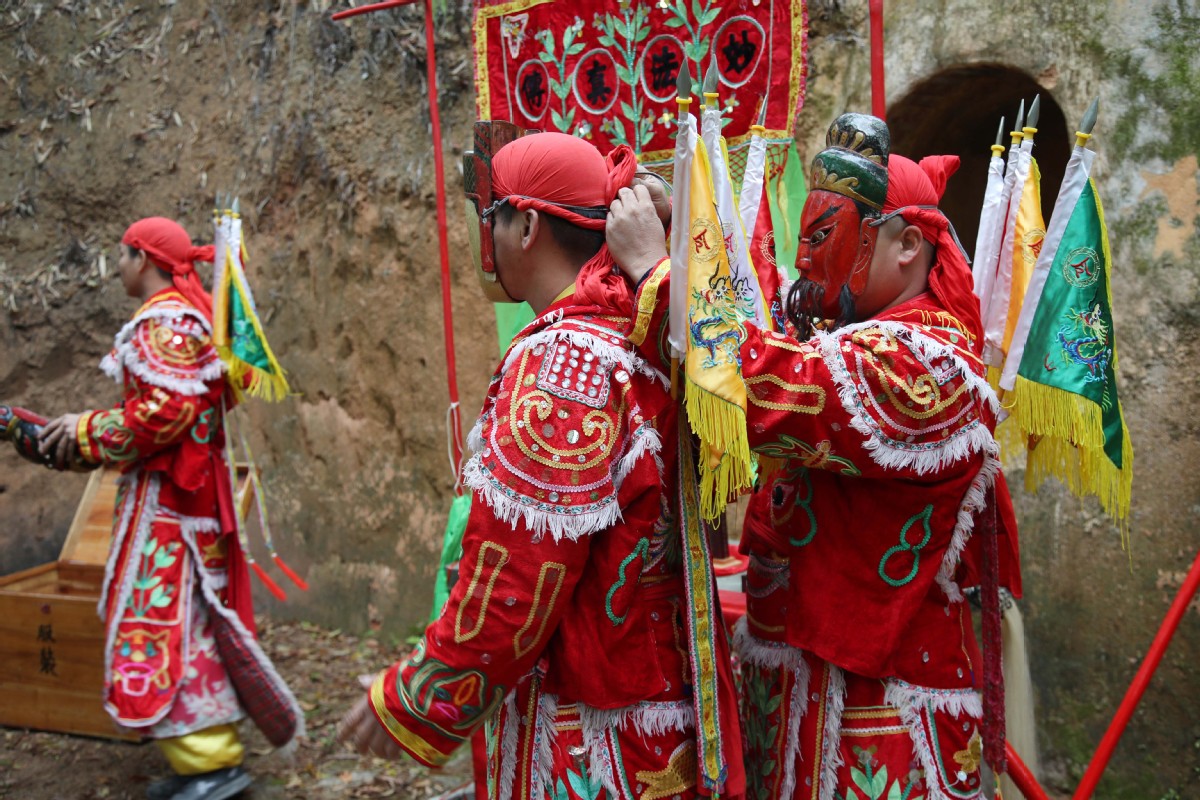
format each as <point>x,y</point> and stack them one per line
<point>763,653</point>
<point>540,521</point>
<point>190,526</point>
<point>883,450</point>
<point>508,744</point>
<point>475,443</point>
<point>543,754</point>
<point>906,696</point>
<point>831,759</point>
<point>972,503</point>
<point>114,549</point>
<point>646,440</point>
<point>595,739</point>
<point>646,718</point>
<point>799,705</point>
<point>908,700</point>
<point>215,604</point>
<point>130,358</point>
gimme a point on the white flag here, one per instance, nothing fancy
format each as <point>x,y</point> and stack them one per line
<point>681,224</point>
<point>996,318</point>
<point>752,181</point>
<point>991,227</point>
<point>741,268</point>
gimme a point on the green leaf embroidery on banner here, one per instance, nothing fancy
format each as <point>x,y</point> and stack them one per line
<point>160,597</point>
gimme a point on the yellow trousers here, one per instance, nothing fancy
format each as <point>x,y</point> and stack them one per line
<point>203,751</point>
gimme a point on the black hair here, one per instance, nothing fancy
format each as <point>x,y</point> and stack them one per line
<point>580,244</point>
<point>134,252</point>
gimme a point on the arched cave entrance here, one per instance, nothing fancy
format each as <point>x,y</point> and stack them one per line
<point>956,111</point>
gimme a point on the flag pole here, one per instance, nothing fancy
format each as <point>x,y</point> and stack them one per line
<point>1089,122</point>
<point>878,95</point>
<point>683,102</point>
<point>1031,120</point>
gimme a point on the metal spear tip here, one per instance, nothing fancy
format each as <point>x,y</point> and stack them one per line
<point>1089,117</point>
<point>236,204</point>
<point>710,77</point>
<point>1035,111</point>
<point>762,112</point>
<point>1000,132</point>
<point>683,81</point>
<point>1020,117</point>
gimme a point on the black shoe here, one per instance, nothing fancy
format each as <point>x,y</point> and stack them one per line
<point>220,784</point>
<point>165,788</point>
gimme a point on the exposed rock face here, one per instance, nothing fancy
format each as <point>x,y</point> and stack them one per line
<point>111,112</point>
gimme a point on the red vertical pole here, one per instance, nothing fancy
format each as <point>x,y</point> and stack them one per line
<point>439,169</point>
<point>478,741</point>
<point>1022,778</point>
<point>1154,656</point>
<point>878,95</point>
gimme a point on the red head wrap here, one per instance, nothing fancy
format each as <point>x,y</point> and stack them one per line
<point>562,175</point>
<point>914,191</point>
<point>557,174</point>
<point>169,247</point>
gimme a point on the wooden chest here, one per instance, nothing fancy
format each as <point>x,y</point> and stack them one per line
<point>52,671</point>
<point>51,638</point>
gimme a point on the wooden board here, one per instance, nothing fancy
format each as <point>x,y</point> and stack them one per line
<point>91,530</point>
<point>52,673</point>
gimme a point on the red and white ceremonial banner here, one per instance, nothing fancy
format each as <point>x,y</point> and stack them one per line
<point>606,69</point>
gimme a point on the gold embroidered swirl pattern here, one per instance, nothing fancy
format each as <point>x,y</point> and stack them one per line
<point>529,412</point>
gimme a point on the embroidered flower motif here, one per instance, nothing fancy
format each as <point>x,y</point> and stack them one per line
<point>969,759</point>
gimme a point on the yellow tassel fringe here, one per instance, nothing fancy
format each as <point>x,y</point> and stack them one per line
<point>725,466</point>
<point>1067,442</point>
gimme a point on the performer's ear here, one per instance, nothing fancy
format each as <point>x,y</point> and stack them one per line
<point>531,226</point>
<point>912,245</point>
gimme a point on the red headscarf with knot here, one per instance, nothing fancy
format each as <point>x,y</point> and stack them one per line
<point>914,190</point>
<point>556,174</point>
<point>169,247</point>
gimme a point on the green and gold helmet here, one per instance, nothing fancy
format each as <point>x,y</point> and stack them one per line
<point>854,161</point>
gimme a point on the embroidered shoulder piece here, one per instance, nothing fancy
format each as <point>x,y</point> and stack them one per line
<point>169,345</point>
<point>912,393</point>
<point>561,430</point>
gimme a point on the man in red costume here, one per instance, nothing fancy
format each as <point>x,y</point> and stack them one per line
<point>566,632</point>
<point>860,668</point>
<point>176,597</point>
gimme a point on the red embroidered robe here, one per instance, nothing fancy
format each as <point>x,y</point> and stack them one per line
<point>174,560</point>
<point>565,630</point>
<point>857,649</point>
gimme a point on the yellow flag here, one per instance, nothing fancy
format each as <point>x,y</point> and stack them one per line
<point>1027,245</point>
<point>718,308</point>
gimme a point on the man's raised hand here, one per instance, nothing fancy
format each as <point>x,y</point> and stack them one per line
<point>635,233</point>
